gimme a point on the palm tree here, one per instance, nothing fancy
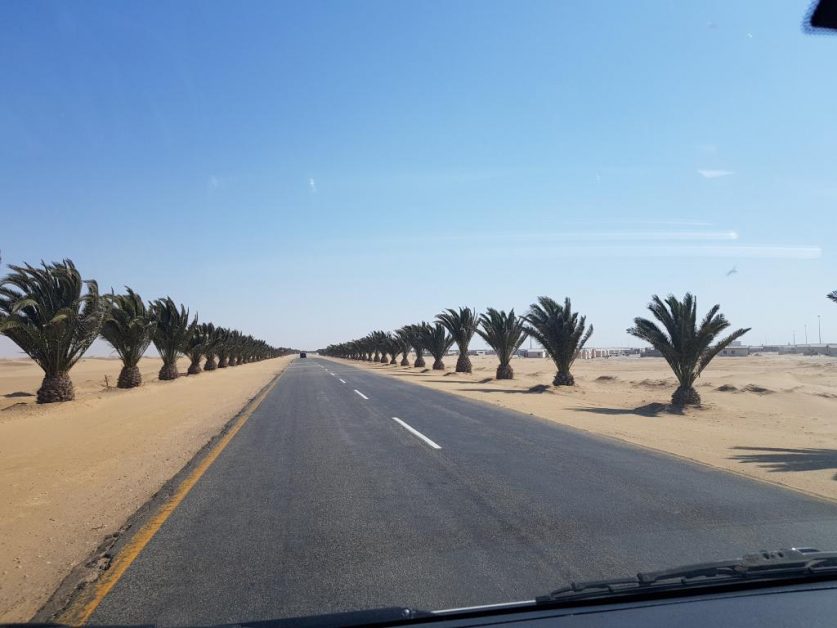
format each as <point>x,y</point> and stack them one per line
<point>171,334</point>
<point>462,325</point>
<point>210,348</point>
<point>365,347</point>
<point>686,347</point>
<point>380,340</point>
<point>402,336</point>
<point>560,332</point>
<point>348,350</point>
<point>832,296</point>
<point>504,333</point>
<point>393,348</point>
<point>193,347</point>
<point>437,341</point>
<point>128,327</point>
<point>373,344</point>
<point>222,347</point>
<point>415,334</point>
<point>234,341</point>
<point>43,311</point>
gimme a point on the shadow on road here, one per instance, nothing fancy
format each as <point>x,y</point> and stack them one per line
<point>780,459</point>
<point>648,410</point>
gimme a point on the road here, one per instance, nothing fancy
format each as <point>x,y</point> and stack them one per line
<point>323,502</point>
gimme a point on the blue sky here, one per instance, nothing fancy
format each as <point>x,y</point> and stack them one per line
<point>309,171</point>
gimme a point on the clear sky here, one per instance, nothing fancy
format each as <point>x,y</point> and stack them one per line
<point>308,171</point>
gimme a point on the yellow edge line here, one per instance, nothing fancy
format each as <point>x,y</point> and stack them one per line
<point>133,548</point>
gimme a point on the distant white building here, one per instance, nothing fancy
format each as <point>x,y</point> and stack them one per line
<point>533,353</point>
<point>735,351</point>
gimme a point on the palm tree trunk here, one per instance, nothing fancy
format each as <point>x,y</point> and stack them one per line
<point>419,363</point>
<point>56,388</point>
<point>384,358</point>
<point>168,372</point>
<point>685,396</point>
<point>394,360</point>
<point>129,377</point>
<point>194,367</point>
<point>505,371</point>
<point>376,357</point>
<point>562,378</point>
<point>438,365</point>
<point>210,364</point>
<point>463,363</point>
<point>222,362</point>
<point>405,361</point>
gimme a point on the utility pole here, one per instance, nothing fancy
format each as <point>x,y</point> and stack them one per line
<point>805,326</point>
<point>819,329</point>
<point>794,337</point>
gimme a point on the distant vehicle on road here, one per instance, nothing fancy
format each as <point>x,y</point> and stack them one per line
<point>302,354</point>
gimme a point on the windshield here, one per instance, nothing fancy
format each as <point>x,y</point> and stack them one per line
<point>314,307</point>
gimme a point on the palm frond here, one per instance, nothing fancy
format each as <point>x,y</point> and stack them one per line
<point>128,326</point>
<point>686,345</point>
<point>559,330</point>
<point>461,324</point>
<point>503,332</point>
<point>436,340</point>
<point>173,329</point>
<point>51,313</point>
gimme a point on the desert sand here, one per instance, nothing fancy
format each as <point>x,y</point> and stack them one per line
<point>73,473</point>
<point>769,417</point>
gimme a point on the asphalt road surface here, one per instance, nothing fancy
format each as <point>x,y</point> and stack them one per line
<point>324,502</point>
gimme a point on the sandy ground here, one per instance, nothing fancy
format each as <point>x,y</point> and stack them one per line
<point>770,417</point>
<point>72,473</point>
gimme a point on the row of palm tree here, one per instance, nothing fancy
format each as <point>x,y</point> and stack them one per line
<point>53,316</point>
<point>687,345</point>
<point>562,332</point>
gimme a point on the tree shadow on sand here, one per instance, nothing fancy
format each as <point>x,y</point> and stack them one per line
<point>19,393</point>
<point>648,410</point>
<point>534,390</point>
<point>776,459</point>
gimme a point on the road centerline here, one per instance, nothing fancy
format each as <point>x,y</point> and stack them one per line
<point>416,433</point>
<point>342,381</point>
<point>361,394</point>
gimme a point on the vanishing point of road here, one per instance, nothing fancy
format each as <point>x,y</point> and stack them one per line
<point>346,489</point>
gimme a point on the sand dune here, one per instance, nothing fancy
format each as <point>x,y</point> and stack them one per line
<point>770,417</point>
<point>72,473</point>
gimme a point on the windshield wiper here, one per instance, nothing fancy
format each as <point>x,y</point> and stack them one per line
<point>764,565</point>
